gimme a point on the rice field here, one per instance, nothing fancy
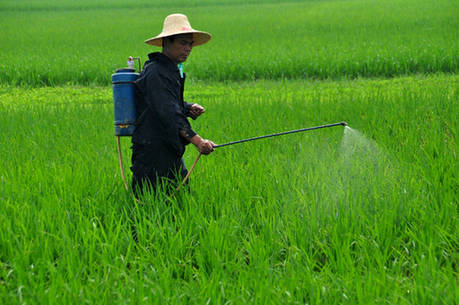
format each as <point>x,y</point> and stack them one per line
<point>365,214</point>
<point>58,42</point>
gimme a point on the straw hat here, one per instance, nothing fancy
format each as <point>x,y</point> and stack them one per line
<point>178,24</point>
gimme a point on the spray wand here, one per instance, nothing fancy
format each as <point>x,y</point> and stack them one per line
<point>281,134</point>
<point>258,138</point>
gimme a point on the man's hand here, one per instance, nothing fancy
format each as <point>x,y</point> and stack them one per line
<point>204,146</point>
<point>196,110</point>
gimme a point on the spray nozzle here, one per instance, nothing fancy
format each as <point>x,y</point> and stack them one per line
<point>344,123</point>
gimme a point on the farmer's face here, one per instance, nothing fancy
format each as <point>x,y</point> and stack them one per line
<point>179,50</point>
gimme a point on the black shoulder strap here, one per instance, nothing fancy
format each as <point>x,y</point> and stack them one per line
<point>142,116</point>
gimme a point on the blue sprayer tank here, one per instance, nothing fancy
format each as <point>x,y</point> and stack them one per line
<point>123,81</point>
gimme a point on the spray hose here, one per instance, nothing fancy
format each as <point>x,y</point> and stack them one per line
<point>120,159</point>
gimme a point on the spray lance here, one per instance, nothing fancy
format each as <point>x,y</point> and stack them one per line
<point>123,81</point>
<point>258,138</point>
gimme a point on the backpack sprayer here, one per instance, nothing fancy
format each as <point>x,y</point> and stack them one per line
<point>123,81</point>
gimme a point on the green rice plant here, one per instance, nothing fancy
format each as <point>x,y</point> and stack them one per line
<point>332,216</point>
<point>83,43</point>
<point>53,5</point>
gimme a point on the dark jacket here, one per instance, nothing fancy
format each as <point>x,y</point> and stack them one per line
<point>159,89</point>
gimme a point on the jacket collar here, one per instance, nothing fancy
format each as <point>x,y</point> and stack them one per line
<point>160,57</point>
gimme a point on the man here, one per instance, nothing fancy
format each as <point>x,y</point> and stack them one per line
<point>163,130</point>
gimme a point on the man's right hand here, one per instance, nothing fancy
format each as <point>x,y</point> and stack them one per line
<point>204,146</point>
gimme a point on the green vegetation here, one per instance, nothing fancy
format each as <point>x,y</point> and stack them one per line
<point>319,217</point>
<point>312,39</point>
<point>362,215</point>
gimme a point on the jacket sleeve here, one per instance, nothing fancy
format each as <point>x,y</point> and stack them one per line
<point>163,101</point>
<point>187,108</point>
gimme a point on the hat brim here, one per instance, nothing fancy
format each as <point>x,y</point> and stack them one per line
<point>199,38</point>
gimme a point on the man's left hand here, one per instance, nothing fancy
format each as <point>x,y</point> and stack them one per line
<point>196,110</point>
